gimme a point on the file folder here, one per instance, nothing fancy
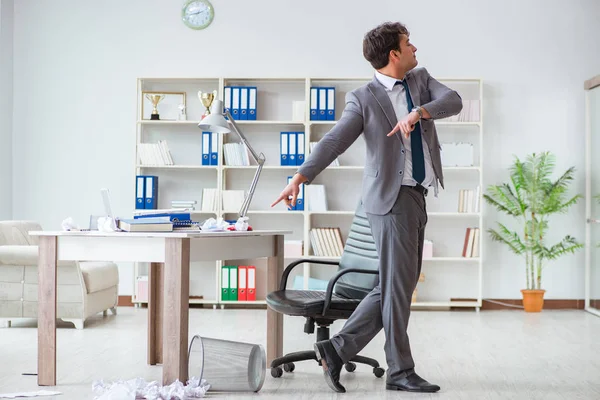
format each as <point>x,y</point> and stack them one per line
<point>242,285</point>
<point>300,148</point>
<point>235,102</point>
<point>140,200</point>
<point>290,207</point>
<point>283,148</point>
<point>322,104</point>
<point>214,148</point>
<point>314,104</point>
<point>292,148</point>
<point>225,283</point>
<point>300,199</point>
<point>252,92</point>
<point>330,104</point>
<point>251,283</point>
<point>243,103</point>
<point>151,187</point>
<point>233,275</point>
<point>227,99</point>
<point>206,148</point>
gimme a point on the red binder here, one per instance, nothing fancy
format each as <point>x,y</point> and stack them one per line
<point>242,285</point>
<point>251,283</point>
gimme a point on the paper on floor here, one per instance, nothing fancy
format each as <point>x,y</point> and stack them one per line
<point>140,389</point>
<point>28,394</point>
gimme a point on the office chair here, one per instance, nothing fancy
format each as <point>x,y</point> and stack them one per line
<point>344,293</point>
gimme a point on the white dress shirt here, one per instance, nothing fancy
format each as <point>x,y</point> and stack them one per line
<point>397,96</point>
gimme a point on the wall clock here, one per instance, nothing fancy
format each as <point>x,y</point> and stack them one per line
<point>197,14</point>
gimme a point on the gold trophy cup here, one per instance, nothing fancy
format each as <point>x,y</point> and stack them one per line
<point>207,98</point>
<point>155,99</point>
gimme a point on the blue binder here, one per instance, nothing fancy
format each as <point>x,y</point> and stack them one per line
<point>314,104</point>
<point>322,104</point>
<point>243,103</point>
<point>330,104</point>
<point>140,200</point>
<point>300,199</point>
<point>235,102</point>
<point>284,148</point>
<point>299,148</point>
<point>206,148</point>
<point>291,207</point>
<point>227,99</point>
<point>292,149</point>
<point>252,92</point>
<point>151,187</point>
<point>214,148</point>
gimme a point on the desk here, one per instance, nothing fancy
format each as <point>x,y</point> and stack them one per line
<point>170,254</point>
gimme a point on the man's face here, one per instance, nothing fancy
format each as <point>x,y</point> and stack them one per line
<point>407,53</point>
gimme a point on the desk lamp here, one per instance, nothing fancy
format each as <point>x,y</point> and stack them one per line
<point>216,122</point>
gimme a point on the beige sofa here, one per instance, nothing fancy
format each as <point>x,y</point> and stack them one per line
<point>83,288</point>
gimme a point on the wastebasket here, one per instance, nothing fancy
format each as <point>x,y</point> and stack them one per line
<point>227,366</point>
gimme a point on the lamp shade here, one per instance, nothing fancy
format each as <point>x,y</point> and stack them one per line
<point>215,122</point>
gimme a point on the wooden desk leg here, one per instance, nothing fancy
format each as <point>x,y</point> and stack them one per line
<point>47,311</point>
<point>176,306</point>
<point>274,319</point>
<point>155,310</point>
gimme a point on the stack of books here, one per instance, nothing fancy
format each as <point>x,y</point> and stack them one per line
<point>149,224</point>
<point>468,200</point>
<point>326,242</point>
<point>184,204</point>
<point>471,244</point>
<point>155,153</point>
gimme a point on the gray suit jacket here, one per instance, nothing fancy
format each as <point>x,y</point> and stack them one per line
<point>369,111</point>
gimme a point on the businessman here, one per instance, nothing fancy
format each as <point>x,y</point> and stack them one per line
<point>395,112</point>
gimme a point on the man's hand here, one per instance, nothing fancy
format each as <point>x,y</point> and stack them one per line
<point>290,192</point>
<point>406,125</point>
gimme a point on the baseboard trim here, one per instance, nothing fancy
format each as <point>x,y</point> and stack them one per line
<point>549,304</point>
<point>124,301</point>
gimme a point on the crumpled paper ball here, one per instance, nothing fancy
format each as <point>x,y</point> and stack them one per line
<point>215,225</point>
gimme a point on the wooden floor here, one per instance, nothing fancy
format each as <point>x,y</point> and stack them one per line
<point>488,355</point>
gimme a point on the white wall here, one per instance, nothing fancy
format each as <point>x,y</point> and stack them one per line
<point>6,108</point>
<point>75,91</point>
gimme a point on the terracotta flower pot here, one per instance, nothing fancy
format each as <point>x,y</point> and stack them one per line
<point>533,300</point>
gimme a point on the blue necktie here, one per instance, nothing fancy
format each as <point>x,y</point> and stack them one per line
<point>416,143</point>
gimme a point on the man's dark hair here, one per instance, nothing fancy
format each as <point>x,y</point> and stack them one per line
<point>378,43</point>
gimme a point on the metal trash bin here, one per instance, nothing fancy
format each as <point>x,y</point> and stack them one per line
<point>227,366</point>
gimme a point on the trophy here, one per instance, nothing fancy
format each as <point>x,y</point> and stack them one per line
<point>207,98</point>
<point>155,99</point>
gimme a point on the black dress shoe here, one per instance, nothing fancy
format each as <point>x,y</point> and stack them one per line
<point>331,363</point>
<point>412,383</point>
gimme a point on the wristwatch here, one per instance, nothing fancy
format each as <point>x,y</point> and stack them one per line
<point>419,111</point>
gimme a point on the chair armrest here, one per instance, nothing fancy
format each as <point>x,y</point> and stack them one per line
<point>19,255</point>
<point>335,278</point>
<point>289,268</point>
<point>26,256</point>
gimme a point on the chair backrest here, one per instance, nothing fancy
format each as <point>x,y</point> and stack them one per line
<point>15,233</point>
<point>359,252</point>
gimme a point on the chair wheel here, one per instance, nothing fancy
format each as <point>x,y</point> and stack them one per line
<point>350,367</point>
<point>379,372</point>
<point>289,367</point>
<point>276,372</point>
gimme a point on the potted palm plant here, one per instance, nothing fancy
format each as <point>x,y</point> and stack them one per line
<point>531,197</point>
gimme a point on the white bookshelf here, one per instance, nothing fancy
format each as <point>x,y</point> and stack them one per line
<point>187,178</point>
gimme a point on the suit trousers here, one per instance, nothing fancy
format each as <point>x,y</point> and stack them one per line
<point>398,237</point>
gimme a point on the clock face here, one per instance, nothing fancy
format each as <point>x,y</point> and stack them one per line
<point>197,14</point>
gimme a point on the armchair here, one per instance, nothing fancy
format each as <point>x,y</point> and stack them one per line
<point>83,288</point>
<point>357,275</point>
